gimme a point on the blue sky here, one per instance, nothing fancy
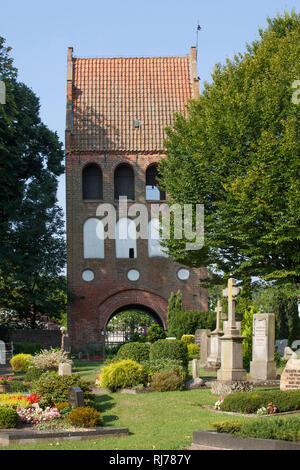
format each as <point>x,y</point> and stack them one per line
<point>40,33</point>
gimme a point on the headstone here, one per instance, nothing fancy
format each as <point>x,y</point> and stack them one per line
<point>75,397</point>
<point>262,366</point>
<point>2,352</point>
<point>290,377</point>
<point>280,344</point>
<point>288,353</point>
<point>194,384</point>
<point>214,358</point>
<point>64,369</point>
<point>171,338</point>
<point>232,342</point>
<point>195,368</point>
<point>204,347</point>
<point>198,337</point>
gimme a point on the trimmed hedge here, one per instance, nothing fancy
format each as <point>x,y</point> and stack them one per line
<point>170,349</point>
<point>166,381</point>
<point>250,402</point>
<point>286,429</point>
<point>138,352</point>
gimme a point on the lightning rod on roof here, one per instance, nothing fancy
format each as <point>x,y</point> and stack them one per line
<point>197,35</point>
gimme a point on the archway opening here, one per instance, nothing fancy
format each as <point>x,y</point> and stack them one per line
<point>129,323</point>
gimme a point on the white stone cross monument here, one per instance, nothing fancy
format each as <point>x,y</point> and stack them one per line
<point>232,342</point>
<point>214,359</point>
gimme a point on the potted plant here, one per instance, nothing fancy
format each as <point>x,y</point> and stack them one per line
<point>5,384</point>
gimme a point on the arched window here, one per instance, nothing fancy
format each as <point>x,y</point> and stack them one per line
<point>154,238</point>
<point>152,191</point>
<point>93,239</point>
<point>126,239</point>
<point>92,187</point>
<point>124,181</point>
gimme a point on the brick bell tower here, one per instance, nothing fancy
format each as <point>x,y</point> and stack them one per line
<point>117,110</point>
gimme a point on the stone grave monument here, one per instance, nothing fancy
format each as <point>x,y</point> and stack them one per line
<point>204,346</point>
<point>2,352</point>
<point>75,397</point>
<point>262,366</point>
<point>195,368</point>
<point>290,377</point>
<point>214,358</point>
<point>64,368</point>
<point>231,342</point>
<point>280,345</point>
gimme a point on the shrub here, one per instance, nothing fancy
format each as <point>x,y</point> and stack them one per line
<point>231,427</point>
<point>151,367</point>
<point>9,418</point>
<point>49,359</point>
<point>54,388</point>
<point>18,386</point>
<point>250,402</point>
<point>121,374</point>
<point>188,339</point>
<point>27,348</point>
<point>166,381</point>
<point>287,429</point>
<point>21,362</point>
<point>84,417</point>
<point>138,352</point>
<point>170,349</point>
<point>193,351</point>
<point>155,332</point>
<point>32,374</point>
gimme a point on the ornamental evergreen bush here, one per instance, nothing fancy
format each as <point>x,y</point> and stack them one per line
<point>21,362</point>
<point>54,388</point>
<point>193,351</point>
<point>166,381</point>
<point>188,339</point>
<point>157,365</point>
<point>135,351</point>
<point>84,417</point>
<point>170,349</point>
<point>121,374</point>
<point>9,418</point>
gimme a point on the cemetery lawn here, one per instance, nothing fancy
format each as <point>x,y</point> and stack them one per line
<point>156,421</point>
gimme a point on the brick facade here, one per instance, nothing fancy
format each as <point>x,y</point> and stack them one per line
<point>110,290</point>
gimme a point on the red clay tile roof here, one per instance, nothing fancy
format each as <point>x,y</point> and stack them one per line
<point>108,94</point>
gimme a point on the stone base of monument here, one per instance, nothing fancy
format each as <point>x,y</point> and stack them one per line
<point>263,370</point>
<point>231,359</point>
<point>212,367</point>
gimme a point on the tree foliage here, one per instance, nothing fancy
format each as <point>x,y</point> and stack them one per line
<point>237,152</point>
<point>32,245</point>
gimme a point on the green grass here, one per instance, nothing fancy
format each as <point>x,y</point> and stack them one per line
<point>156,421</point>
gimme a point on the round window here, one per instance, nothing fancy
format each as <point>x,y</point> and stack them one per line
<point>183,274</point>
<point>88,275</point>
<point>133,275</point>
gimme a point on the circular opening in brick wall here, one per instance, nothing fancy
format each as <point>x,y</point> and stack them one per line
<point>183,274</point>
<point>88,275</point>
<point>133,275</point>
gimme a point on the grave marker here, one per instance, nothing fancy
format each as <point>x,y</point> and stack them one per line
<point>75,397</point>
<point>2,352</point>
<point>290,377</point>
<point>262,366</point>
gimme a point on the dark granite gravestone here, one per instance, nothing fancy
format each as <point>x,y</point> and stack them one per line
<point>75,397</point>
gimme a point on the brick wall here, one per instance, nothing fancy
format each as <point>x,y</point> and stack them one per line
<point>110,290</point>
<point>48,338</point>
